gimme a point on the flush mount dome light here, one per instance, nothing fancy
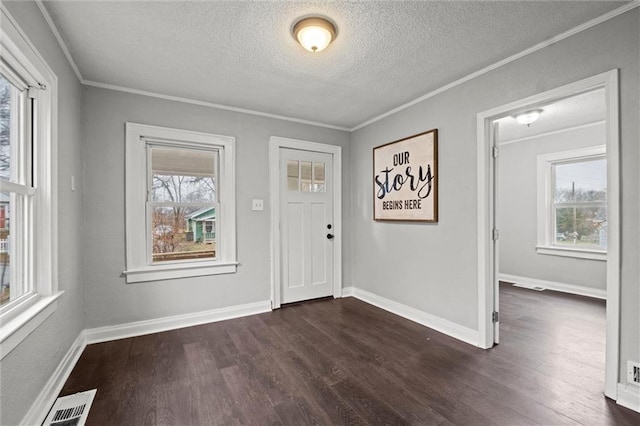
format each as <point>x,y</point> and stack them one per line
<point>314,34</point>
<point>528,117</point>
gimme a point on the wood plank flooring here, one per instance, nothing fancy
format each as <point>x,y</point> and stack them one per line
<point>346,362</point>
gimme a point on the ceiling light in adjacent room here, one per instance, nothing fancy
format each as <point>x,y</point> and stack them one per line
<point>528,117</point>
<point>314,34</point>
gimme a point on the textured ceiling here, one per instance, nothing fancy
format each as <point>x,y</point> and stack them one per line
<point>578,110</point>
<point>241,53</point>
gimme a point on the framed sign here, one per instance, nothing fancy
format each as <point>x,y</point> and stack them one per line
<point>405,179</point>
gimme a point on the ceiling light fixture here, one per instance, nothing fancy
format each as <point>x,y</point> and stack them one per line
<point>314,34</point>
<point>528,117</point>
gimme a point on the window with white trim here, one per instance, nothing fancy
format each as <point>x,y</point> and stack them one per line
<point>180,208</point>
<point>28,283</point>
<point>16,198</point>
<point>573,203</point>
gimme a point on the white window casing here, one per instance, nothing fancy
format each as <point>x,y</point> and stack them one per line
<point>139,264</point>
<point>33,189</point>
<point>545,204</point>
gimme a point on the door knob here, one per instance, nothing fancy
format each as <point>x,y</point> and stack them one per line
<point>330,236</point>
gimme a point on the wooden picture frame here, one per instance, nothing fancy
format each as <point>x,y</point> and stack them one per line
<point>405,179</point>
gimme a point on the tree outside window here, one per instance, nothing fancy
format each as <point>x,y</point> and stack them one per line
<point>5,173</point>
<point>580,203</point>
<point>183,183</point>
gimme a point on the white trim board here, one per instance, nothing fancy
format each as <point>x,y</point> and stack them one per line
<point>275,144</point>
<point>532,283</point>
<point>582,27</point>
<point>600,19</point>
<point>140,328</point>
<point>40,256</point>
<point>441,325</point>
<point>59,39</point>
<point>209,104</point>
<point>44,401</point>
<point>17,329</point>
<point>629,397</point>
<point>486,221</point>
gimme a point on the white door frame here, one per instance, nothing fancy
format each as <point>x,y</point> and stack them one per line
<point>486,266</point>
<point>275,144</point>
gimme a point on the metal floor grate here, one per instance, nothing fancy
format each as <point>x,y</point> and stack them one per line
<point>71,410</point>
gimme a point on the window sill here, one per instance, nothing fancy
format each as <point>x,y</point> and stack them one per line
<point>16,329</point>
<point>167,272</point>
<point>573,252</point>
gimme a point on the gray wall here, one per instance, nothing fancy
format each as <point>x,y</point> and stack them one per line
<point>28,367</point>
<point>108,300</point>
<point>431,267</point>
<point>434,267</point>
<point>517,195</point>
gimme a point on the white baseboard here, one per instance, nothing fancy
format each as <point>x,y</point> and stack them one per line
<point>139,328</point>
<point>347,291</point>
<point>629,396</point>
<point>40,407</point>
<point>555,286</point>
<point>442,325</point>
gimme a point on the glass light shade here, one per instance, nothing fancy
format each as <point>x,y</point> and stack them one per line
<point>528,117</point>
<point>314,34</point>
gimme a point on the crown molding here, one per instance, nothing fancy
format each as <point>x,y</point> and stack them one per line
<point>600,19</point>
<point>58,36</point>
<point>208,104</point>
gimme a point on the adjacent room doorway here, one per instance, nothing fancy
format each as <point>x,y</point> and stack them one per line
<point>488,228</point>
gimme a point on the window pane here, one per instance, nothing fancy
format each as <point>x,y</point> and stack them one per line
<point>581,227</point>
<point>293,176</point>
<point>7,127</point>
<point>5,250</point>
<point>180,233</point>
<point>318,177</point>
<point>581,181</point>
<point>183,175</point>
<point>305,176</point>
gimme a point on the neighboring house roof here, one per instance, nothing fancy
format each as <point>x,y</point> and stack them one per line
<point>207,217</point>
<point>206,213</point>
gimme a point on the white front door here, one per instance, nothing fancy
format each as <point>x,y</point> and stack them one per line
<point>306,224</point>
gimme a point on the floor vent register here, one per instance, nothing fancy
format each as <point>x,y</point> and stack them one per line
<point>71,410</point>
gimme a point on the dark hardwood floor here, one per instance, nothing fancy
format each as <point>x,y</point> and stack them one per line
<point>346,362</point>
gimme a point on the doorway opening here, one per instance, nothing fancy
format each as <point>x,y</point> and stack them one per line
<point>566,224</point>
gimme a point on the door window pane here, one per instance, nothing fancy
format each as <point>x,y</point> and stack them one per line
<point>318,177</point>
<point>305,176</point>
<point>293,175</point>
